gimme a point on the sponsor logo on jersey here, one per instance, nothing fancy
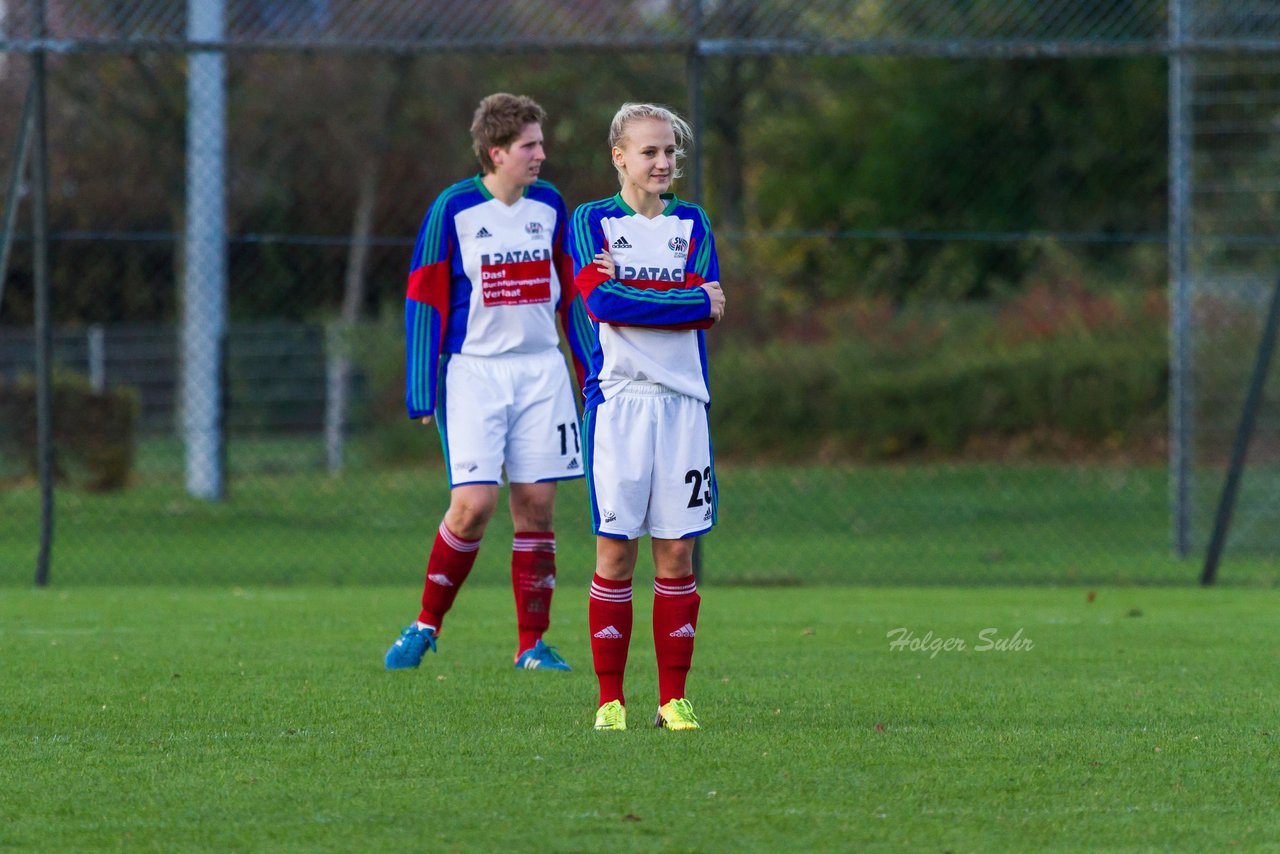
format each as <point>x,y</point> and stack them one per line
<point>533,227</point>
<point>685,631</point>
<point>608,633</point>
<point>679,246</point>
<point>521,277</point>
<point>519,256</point>
<point>621,243</point>
<point>651,274</point>
<point>483,232</point>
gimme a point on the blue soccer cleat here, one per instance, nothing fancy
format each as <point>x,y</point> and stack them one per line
<point>541,657</point>
<point>409,648</point>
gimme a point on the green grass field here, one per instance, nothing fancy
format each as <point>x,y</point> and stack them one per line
<point>921,524</point>
<point>208,676</point>
<point>198,718</point>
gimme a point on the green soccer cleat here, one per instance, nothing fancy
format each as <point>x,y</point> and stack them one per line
<point>677,714</point>
<point>611,716</point>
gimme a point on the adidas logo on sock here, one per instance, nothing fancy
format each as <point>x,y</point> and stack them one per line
<point>439,578</point>
<point>621,243</point>
<point>608,633</point>
<point>685,631</point>
<point>483,232</point>
<point>546,582</point>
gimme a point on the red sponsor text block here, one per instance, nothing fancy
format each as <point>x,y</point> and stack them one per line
<point>518,283</point>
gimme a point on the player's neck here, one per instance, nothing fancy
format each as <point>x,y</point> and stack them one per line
<point>647,204</point>
<point>506,192</point>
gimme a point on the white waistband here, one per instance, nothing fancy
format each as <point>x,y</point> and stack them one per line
<point>510,356</point>
<point>648,389</point>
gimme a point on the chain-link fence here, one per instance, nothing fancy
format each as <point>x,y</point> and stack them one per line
<point>946,230</point>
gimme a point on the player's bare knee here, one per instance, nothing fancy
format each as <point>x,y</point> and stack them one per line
<point>616,559</point>
<point>469,515</point>
<point>533,506</point>
<point>673,558</point>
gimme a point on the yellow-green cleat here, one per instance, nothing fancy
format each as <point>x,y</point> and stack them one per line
<point>611,716</point>
<point>677,714</point>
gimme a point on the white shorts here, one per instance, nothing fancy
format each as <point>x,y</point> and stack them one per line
<point>649,465</point>
<point>514,411</point>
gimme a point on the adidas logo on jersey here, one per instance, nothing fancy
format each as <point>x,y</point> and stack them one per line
<point>621,243</point>
<point>483,232</point>
<point>608,633</point>
<point>685,631</point>
<point>439,578</point>
<point>573,464</point>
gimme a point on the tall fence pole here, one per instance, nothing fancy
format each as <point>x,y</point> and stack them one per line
<point>204,281</point>
<point>1180,345</point>
<point>43,325</point>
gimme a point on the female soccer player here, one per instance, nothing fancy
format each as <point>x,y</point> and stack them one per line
<point>490,274</point>
<point>647,268</point>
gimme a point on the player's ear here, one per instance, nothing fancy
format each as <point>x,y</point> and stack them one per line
<point>618,156</point>
<point>497,154</point>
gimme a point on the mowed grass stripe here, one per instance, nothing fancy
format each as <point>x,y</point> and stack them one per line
<point>254,718</point>
<point>921,524</point>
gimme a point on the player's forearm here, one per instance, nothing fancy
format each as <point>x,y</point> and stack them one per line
<point>422,354</point>
<point>616,303</point>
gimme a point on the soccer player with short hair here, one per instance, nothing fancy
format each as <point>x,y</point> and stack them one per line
<point>647,268</point>
<point>490,273</point>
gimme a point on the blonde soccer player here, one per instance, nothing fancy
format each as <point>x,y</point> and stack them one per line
<point>490,274</point>
<point>647,269</point>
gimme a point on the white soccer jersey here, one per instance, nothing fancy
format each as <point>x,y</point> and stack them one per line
<point>487,280</point>
<point>650,317</point>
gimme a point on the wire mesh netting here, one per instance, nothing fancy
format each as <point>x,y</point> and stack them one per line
<point>942,228</point>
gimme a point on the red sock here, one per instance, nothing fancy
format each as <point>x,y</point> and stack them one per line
<point>609,617</point>
<point>675,621</point>
<point>533,579</point>
<point>451,560</point>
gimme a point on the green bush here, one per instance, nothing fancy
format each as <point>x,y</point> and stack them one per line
<point>869,396</point>
<point>94,435</point>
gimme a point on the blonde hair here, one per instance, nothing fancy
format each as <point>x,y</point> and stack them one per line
<point>499,120</point>
<point>630,112</point>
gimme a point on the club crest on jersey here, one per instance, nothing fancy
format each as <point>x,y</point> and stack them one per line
<point>621,243</point>
<point>651,274</point>
<point>516,257</point>
<point>679,246</point>
<point>533,227</point>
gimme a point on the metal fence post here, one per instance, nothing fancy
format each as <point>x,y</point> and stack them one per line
<point>204,286</point>
<point>1180,390</point>
<point>43,326</point>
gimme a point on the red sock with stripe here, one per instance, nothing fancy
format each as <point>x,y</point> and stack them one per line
<point>449,565</point>
<point>609,617</point>
<point>675,622</point>
<point>533,580</point>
